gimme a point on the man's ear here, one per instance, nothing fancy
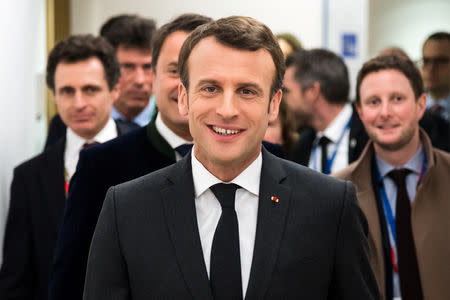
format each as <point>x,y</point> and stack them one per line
<point>274,106</point>
<point>115,92</point>
<point>313,91</point>
<point>183,106</point>
<point>358,109</point>
<point>421,105</point>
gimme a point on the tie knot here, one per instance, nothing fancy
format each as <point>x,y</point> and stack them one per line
<point>399,175</point>
<point>225,193</point>
<point>184,149</point>
<point>323,141</point>
<point>90,144</point>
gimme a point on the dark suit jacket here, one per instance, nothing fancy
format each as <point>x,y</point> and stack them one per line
<point>310,245</point>
<point>35,213</point>
<point>127,157</point>
<point>357,140</point>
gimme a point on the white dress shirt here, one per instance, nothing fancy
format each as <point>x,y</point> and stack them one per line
<point>208,211</point>
<point>74,144</point>
<point>172,139</point>
<point>333,132</point>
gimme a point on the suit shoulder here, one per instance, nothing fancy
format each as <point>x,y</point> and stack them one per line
<point>39,160</point>
<point>303,173</point>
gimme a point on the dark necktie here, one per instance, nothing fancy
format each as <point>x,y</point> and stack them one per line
<point>323,142</point>
<point>184,149</point>
<point>410,285</point>
<point>89,144</point>
<point>225,266</point>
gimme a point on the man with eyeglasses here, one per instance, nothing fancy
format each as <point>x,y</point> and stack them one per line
<point>435,68</point>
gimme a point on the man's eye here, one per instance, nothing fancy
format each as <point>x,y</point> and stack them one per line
<point>209,89</point>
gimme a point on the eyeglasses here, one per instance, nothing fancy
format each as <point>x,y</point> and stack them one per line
<point>435,61</point>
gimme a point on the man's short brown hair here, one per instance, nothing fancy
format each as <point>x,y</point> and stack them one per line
<point>243,33</point>
<point>391,62</point>
<point>185,22</point>
<point>78,48</point>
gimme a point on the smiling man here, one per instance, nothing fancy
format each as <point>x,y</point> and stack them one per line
<point>402,183</point>
<point>82,72</point>
<point>230,220</point>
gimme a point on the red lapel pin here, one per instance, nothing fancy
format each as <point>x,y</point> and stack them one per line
<point>275,199</point>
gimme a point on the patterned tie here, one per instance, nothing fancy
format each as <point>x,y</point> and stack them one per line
<point>323,142</point>
<point>184,149</point>
<point>225,266</point>
<point>410,285</point>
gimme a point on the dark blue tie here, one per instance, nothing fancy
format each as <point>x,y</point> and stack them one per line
<point>225,265</point>
<point>184,149</point>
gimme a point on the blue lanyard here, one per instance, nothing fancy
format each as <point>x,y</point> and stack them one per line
<point>333,155</point>
<point>387,207</point>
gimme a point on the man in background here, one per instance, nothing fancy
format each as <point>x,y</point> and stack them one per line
<point>82,72</point>
<point>130,35</point>
<point>402,183</point>
<point>317,89</point>
<point>436,73</point>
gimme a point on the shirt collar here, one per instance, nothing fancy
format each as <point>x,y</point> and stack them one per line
<point>172,139</point>
<point>414,164</point>
<point>248,179</point>
<point>75,143</point>
<point>142,119</point>
<point>337,126</point>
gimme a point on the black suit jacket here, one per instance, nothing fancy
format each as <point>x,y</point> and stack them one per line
<point>357,140</point>
<point>127,157</point>
<point>35,213</point>
<point>310,245</point>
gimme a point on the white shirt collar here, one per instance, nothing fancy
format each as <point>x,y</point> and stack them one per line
<point>172,139</point>
<point>337,126</point>
<point>248,179</point>
<point>74,144</point>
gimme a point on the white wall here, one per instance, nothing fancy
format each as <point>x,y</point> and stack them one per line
<point>406,23</point>
<point>22,35</point>
<point>348,17</point>
<point>302,18</point>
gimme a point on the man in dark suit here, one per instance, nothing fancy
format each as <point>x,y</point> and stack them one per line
<point>230,220</point>
<point>317,88</point>
<point>82,72</point>
<point>130,35</point>
<point>135,154</point>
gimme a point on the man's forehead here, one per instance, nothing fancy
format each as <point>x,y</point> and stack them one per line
<point>437,46</point>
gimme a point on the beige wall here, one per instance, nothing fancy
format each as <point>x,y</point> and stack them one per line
<point>405,23</point>
<point>301,17</point>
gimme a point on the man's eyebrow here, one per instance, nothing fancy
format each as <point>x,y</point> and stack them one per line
<point>208,81</point>
<point>251,85</point>
<point>173,64</point>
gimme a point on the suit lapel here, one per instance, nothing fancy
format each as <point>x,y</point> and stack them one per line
<point>52,178</point>
<point>181,218</point>
<point>270,225</point>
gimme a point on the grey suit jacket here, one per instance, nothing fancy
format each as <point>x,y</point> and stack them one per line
<point>311,244</point>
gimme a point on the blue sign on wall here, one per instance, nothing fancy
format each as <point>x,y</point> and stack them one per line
<point>349,44</point>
